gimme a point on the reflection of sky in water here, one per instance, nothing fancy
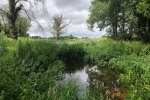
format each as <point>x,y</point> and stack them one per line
<point>81,79</point>
<point>90,76</point>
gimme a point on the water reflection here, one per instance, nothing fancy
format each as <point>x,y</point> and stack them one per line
<point>103,79</point>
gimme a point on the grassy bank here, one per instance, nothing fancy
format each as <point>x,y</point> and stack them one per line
<point>30,68</point>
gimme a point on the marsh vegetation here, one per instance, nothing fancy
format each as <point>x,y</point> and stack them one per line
<point>31,68</point>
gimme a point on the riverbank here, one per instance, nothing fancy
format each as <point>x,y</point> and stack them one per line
<point>29,68</point>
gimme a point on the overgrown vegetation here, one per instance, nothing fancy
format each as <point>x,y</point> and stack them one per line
<point>30,68</point>
<point>133,58</point>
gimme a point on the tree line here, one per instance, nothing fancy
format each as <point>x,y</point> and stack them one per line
<point>122,19</point>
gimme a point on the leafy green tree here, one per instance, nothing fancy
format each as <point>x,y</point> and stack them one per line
<point>98,15</point>
<point>108,13</point>
<point>122,18</point>
<point>22,25</point>
<point>143,21</point>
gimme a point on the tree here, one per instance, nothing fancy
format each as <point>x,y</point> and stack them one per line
<point>98,15</point>
<point>57,26</point>
<point>15,7</point>
<point>22,25</point>
<point>141,11</point>
<point>105,13</point>
<point>121,18</point>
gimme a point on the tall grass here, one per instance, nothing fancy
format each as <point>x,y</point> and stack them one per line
<point>105,50</point>
<point>30,69</point>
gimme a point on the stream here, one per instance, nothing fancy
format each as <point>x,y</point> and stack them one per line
<point>91,76</point>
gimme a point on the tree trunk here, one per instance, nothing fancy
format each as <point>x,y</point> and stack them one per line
<point>115,29</point>
<point>57,36</point>
<point>148,30</point>
<point>142,29</point>
<point>12,16</point>
<point>13,30</point>
<point>123,21</point>
<point>114,35</point>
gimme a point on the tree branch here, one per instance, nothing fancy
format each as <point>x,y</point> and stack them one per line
<point>1,10</point>
<point>27,14</point>
<point>65,25</point>
<point>20,0</point>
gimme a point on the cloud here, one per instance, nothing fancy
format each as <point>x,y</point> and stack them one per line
<point>74,10</point>
<point>71,5</point>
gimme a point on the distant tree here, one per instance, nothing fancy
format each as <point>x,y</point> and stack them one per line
<point>22,25</point>
<point>14,8</point>
<point>58,26</point>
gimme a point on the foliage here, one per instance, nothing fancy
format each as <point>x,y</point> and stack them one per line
<point>97,15</point>
<point>106,50</point>
<point>122,19</point>
<point>143,8</point>
<point>32,68</point>
<point>2,44</point>
<point>136,75</point>
<point>13,10</point>
<point>68,37</point>
<point>32,73</point>
<point>36,54</point>
<point>131,58</point>
<point>22,26</point>
<point>72,52</point>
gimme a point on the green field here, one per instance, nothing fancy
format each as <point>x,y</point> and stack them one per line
<point>30,68</point>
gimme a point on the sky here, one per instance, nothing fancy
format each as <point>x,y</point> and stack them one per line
<point>74,10</point>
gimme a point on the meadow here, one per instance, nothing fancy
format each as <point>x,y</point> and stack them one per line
<point>30,68</point>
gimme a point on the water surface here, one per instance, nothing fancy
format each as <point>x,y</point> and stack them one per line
<point>91,76</point>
